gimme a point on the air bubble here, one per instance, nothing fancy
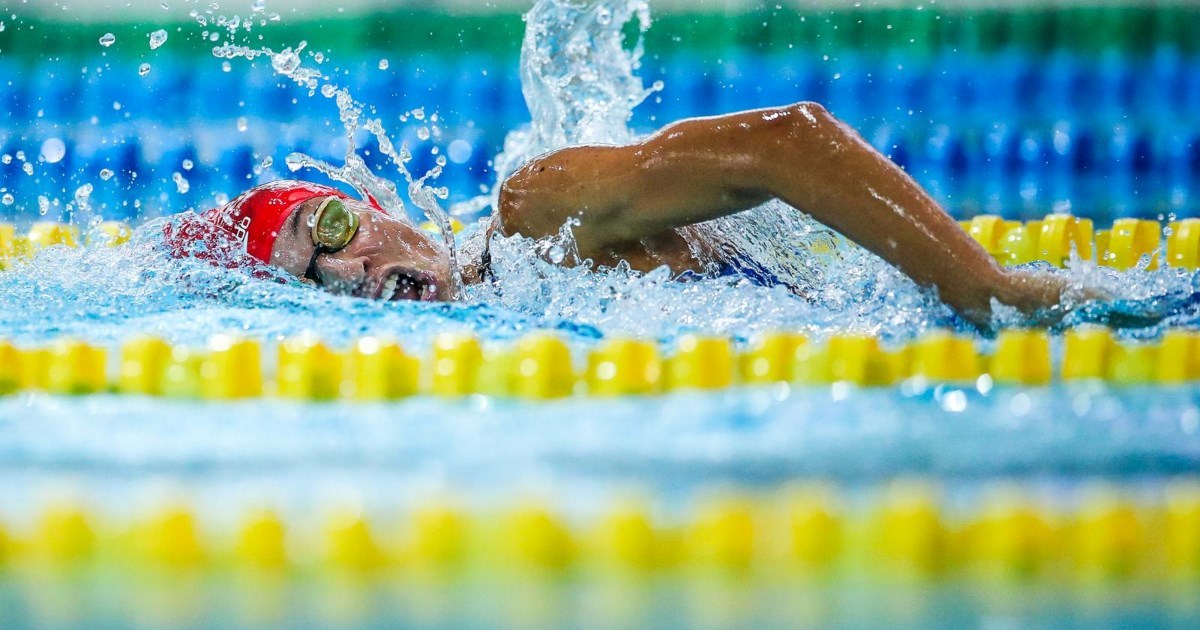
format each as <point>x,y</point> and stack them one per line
<point>7,199</point>
<point>157,38</point>
<point>268,161</point>
<point>144,69</point>
<point>556,254</point>
<point>107,39</point>
<point>328,90</point>
<point>5,159</point>
<point>187,165</point>
<point>53,151</point>
<point>28,168</point>
<point>181,184</point>
<point>383,64</point>
<point>242,124</point>
<point>106,174</point>
<point>423,133</point>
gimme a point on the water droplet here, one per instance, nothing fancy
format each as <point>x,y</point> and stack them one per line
<point>181,184</point>
<point>556,254</point>
<point>144,69</point>
<point>7,199</point>
<point>53,150</point>
<point>312,220</point>
<point>157,38</point>
<point>106,174</point>
<point>81,195</point>
<point>459,151</point>
<point>107,39</point>
<point>187,164</point>
<point>285,62</point>
<point>383,64</point>
<point>242,123</point>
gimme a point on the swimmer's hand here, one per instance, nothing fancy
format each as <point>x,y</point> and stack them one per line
<point>1044,297</point>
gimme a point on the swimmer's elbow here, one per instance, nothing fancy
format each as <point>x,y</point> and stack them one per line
<point>524,200</point>
<point>806,117</point>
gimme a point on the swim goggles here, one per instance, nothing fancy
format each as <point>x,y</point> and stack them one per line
<point>333,227</point>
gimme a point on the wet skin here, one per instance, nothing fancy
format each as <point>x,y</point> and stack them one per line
<point>629,201</point>
<point>387,258</point>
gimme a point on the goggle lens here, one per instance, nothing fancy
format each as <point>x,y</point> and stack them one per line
<point>334,225</point>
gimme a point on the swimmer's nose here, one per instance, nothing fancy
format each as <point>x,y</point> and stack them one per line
<point>342,275</point>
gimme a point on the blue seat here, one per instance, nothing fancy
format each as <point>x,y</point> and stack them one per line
<point>216,95</point>
<point>270,96</point>
<point>57,90</point>
<point>15,84</point>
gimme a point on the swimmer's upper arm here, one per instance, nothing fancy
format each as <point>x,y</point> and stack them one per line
<point>690,171</point>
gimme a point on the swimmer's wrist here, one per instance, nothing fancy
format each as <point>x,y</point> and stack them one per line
<point>1030,292</point>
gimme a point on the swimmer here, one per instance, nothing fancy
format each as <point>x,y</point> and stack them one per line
<point>627,203</point>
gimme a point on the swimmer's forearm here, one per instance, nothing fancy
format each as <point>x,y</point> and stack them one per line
<point>812,161</point>
<point>842,181</point>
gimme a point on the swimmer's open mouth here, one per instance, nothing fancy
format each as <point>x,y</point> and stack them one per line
<point>407,285</point>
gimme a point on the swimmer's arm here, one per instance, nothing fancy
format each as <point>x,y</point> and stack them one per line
<point>700,169</point>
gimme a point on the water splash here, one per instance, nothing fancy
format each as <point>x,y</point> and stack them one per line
<point>579,78</point>
<point>354,170</point>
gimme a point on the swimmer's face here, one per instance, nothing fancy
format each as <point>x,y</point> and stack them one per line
<point>387,259</point>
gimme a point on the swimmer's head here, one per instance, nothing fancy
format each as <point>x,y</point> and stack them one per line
<point>323,236</point>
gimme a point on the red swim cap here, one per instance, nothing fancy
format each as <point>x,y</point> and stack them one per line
<point>247,225</point>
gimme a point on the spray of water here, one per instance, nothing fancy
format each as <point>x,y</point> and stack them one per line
<point>354,170</point>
